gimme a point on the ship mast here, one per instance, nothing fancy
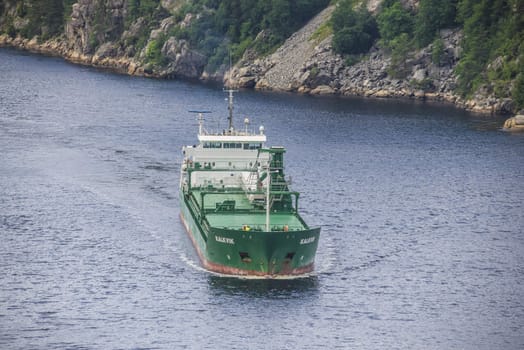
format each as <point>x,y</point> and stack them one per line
<point>200,123</point>
<point>267,196</point>
<point>230,91</point>
<point>230,107</point>
<point>200,113</point>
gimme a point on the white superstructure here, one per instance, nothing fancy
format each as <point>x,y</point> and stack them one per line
<point>231,156</point>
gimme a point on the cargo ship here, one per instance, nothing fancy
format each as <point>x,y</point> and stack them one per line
<point>237,205</point>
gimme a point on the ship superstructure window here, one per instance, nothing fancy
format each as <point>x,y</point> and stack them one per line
<point>232,145</point>
<point>252,145</point>
<point>212,144</point>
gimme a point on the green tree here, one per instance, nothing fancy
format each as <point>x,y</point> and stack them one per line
<point>493,30</point>
<point>400,48</point>
<point>68,6</point>
<point>45,18</point>
<point>517,93</point>
<point>233,25</point>
<point>354,31</point>
<point>154,51</point>
<point>279,16</point>
<point>432,16</point>
<point>394,21</point>
<point>437,51</point>
<point>140,8</point>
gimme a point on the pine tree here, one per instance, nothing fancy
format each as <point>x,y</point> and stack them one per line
<point>432,16</point>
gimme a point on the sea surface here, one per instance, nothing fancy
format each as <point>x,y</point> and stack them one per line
<point>421,208</point>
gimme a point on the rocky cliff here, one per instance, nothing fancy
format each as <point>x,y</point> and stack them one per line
<point>304,65</point>
<point>104,33</point>
<point>96,34</point>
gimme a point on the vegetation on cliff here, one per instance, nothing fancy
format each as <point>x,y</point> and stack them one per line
<point>355,30</point>
<point>156,33</point>
<point>237,25</point>
<point>492,47</point>
<point>44,18</point>
<point>215,29</point>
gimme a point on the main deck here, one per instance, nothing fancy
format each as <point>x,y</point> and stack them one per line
<point>233,210</point>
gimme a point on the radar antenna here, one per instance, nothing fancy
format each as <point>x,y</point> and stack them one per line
<point>200,120</point>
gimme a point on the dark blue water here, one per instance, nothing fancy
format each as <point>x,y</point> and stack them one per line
<point>421,209</point>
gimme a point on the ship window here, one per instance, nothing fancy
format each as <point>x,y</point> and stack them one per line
<point>252,146</point>
<point>212,144</point>
<point>232,145</point>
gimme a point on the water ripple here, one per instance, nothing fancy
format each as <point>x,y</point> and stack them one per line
<point>420,208</point>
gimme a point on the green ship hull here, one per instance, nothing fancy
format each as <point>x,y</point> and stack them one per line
<point>237,207</point>
<point>254,252</point>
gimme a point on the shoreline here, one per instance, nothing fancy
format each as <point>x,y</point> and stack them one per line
<point>127,66</point>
